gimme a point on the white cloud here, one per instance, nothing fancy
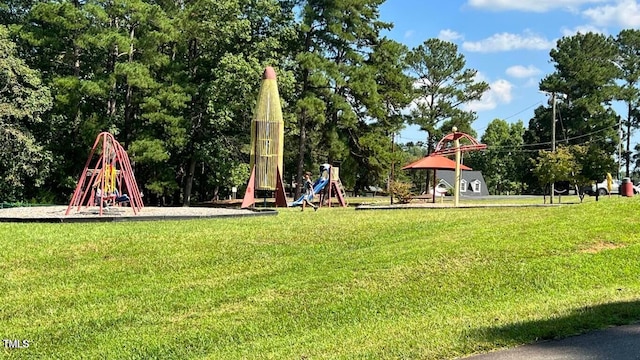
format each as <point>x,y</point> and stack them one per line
<point>582,29</point>
<point>449,35</point>
<point>508,42</point>
<point>521,72</point>
<point>409,33</point>
<point>500,93</point>
<point>625,13</point>
<point>530,5</point>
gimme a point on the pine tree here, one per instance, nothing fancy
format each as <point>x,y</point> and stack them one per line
<point>585,74</point>
<point>443,86</point>
<point>629,61</point>
<point>332,77</point>
<point>24,163</point>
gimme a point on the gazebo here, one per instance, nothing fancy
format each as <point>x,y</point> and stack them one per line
<point>434,162</point>
<point>449,145</point>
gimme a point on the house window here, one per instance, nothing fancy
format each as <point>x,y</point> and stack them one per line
<point>463,185</point>
<point>477,186</point>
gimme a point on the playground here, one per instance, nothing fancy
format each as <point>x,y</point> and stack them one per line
<point>107,187</point>
<point>57,214</point>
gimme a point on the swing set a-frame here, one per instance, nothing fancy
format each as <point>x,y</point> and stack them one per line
<point>106,178</point>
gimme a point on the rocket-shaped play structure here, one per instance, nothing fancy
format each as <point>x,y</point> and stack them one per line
<point>267,143</point>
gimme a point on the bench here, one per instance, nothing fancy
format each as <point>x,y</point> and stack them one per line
<point>423,197</point>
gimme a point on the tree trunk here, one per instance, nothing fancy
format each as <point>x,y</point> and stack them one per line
<point>111,66</point>
<point>301,150</point>
<point>195,116</point>
<point>188,184</point>
<point>128,99</point>
<point>430,173</point>
<point>302,123</point>
<point>111,102</point>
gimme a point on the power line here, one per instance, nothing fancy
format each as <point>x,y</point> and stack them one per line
<point>521,149</point>
<point>541,144</point>
<point>523,110</point>
<point>484,128</point>
<point>549,142</point>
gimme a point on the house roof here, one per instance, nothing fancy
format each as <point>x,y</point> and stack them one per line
<point>468,175</point>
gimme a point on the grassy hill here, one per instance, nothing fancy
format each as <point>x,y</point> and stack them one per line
<point>339,283</point>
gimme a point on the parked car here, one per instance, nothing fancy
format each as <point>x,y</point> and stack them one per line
<point>602,189</point>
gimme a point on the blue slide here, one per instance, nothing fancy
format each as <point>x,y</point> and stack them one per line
<point>317,187</point>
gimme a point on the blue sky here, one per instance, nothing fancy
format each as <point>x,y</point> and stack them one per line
<point>507,41</point>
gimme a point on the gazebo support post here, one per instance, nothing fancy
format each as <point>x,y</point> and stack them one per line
<point>456,187</point>
<point>433,200</point>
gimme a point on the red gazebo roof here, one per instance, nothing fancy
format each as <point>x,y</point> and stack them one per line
<point>435,162</point>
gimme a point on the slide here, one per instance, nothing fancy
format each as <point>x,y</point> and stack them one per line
<point>318,185</point>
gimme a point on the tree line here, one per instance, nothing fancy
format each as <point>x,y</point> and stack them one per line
<point>176,83</point>
<point>592,73</point>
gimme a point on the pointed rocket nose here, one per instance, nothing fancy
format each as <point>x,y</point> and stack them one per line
<point>269,73</point>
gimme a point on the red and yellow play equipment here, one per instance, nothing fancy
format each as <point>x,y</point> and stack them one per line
<point>267,143</point>
<point>107,172</point>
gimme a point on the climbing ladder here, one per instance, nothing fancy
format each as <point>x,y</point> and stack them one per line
<point>335,187</point>
<point>341,191</point>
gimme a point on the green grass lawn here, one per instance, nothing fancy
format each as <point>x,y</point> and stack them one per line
<point>337,283</point>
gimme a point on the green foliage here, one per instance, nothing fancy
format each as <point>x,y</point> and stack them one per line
<point>23,97</point>
<point>238,175</point>
<point>629,60</point>
<point>443,85</point>
<point>24,163</point>
<point>502,163</point>
<point>559,165</point>
<point>338,94</point>
<point>148,150</point>
<point>586,69</point>
<point>401,191</point>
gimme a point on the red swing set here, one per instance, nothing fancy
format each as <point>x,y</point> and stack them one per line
<point>107,181</point>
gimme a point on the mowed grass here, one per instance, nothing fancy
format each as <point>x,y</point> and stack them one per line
<point>339,283</point>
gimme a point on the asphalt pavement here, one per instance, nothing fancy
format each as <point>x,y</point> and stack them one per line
<point>616,343</point>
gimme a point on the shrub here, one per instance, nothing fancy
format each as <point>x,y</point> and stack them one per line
<point>401,191</point>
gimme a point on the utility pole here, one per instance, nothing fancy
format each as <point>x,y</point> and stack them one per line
<point>456,187</point>
<point>391,178</point>
<point>553,135</point>
<point>627,154</point>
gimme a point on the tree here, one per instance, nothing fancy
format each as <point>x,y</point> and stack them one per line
<point>629,61</point>
<point>334,82</point>
<point>374,155</point>
<point>175,81</point>
<point>24,163</point>
<point>502,162</point>
<point>217,65</point>
<point>585,74</point>
<point>551,167</point>
<point>443,85</point>
<point>55,38</point>
<point>109,73</point>
<point>635,157</point>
